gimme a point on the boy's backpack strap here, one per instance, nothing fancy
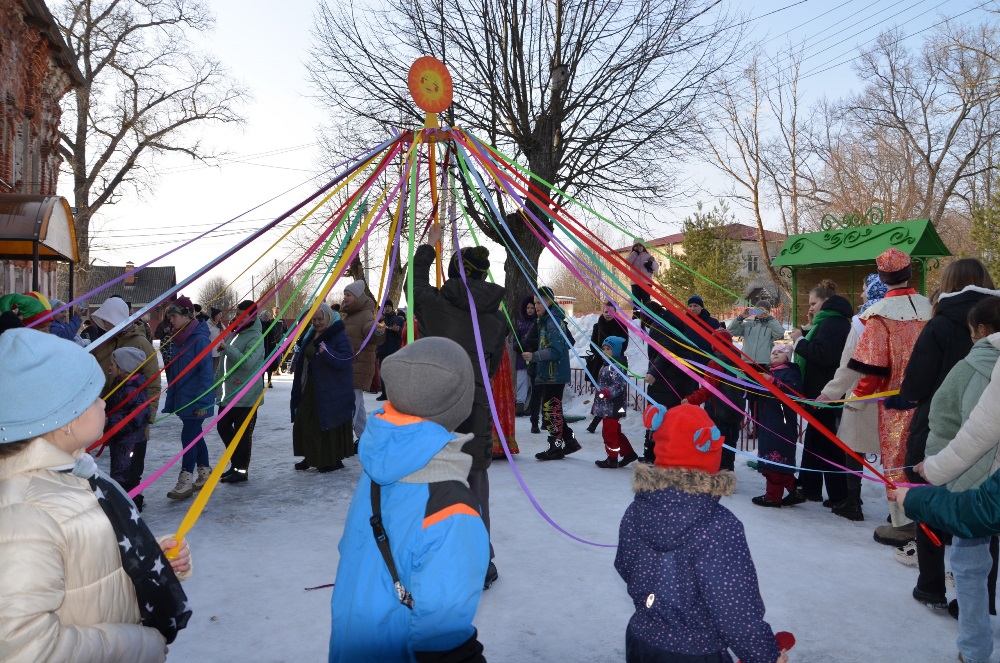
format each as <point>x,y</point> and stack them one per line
<point>382,541</point>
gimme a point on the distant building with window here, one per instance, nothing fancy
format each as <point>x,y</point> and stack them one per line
<point>759,283</point>
<point>138,288</point>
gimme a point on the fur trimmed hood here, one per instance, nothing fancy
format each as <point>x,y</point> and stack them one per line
<point>671,505</point>
<point>646,479</point>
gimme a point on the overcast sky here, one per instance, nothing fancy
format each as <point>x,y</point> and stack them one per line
<point>264,44</point>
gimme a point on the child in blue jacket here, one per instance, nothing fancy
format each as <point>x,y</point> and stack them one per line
<point>414,598</point>
<point>609,405</point>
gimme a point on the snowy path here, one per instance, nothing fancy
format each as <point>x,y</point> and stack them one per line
<point>260,543</point>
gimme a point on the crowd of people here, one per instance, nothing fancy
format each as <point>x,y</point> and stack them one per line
<point>427,450</point>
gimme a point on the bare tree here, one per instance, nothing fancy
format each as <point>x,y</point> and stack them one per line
<point>595,96</point>
<point>937,106</point>
<point>733,132</point>
<point>217,292</point>
<point>147,90</point>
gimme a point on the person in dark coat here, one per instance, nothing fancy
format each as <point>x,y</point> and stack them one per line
<point>273,333</point>
<point>684,556</point>
<point>817,353</point>
<point>668,384</point>
<point>726,417</point>
<point>393,340</point>
<point>606,325</point>
<point>129,396</point>
<point>943,342</point>
<point>778,432</point>
<point>190,396</point>
<point>696,305</point>
<point>523,329</point>
<point>447,312</point>
<point>322,400</point>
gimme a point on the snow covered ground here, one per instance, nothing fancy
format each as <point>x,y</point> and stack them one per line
<point>258,545</point>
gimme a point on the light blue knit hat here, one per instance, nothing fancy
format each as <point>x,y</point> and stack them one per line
<point>46,382</point>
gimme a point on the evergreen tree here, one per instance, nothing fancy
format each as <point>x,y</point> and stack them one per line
<point>713,255</point>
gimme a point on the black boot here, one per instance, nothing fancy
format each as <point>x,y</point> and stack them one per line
<point>851,507</point>
<point>534,428</point>
<point>554,452</point>
<point>648,456</point>
<point>491,575</point>
<point>592,428</point>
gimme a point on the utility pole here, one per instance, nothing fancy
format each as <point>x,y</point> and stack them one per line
<point>277,291</point>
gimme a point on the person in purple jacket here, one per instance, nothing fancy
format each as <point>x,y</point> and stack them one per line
<point>684,556</point>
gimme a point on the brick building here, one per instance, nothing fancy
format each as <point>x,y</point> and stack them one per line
<point>37,70</point>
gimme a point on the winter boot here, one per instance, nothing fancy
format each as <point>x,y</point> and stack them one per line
<point>570,444</point>
<point>554,452</point>
<point>607,463</point>
<point>933,601</point>
<point>850,508</point>
<point>491,575</point>
<point>888,535</point>
<point>648,456</point>
<point>184,488</point>
<point>762,500</point>
<point>534,428</point>
<point>630,458</point>
<point>592,428</point>
<point>203,474</point>
<point>793,498</point>
<point>238,476</point>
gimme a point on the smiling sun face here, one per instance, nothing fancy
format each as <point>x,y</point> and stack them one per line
<point>430,84</point>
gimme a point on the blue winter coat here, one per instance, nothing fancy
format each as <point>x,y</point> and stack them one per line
<point>439,545</point>
<point>332,373</point>
<point>552,356</point>
<point>688,569</point>
<point>779,425</point>
<point>193,390</point>
<point>66,330</point>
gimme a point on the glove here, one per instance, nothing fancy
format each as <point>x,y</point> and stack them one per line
<point>604,393</point>
<point>897,402</point>
<point>648,264</point>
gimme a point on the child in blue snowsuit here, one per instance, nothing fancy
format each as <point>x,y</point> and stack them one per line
<point>609,405</point>
<point>436,544</point>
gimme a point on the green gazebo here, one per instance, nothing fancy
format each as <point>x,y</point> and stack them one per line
<point>845,251</point>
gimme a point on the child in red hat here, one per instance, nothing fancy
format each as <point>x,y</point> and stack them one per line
<point>684,556</point>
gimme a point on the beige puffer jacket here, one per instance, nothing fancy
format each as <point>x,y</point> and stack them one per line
<point>64,595</point>
<point>358,321</point>
<point>859,421</point>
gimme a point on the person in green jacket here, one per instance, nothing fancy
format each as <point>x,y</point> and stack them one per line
<point>759,330</point>
<point>241,357</point>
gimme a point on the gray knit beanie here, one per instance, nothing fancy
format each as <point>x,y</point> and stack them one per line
<point>129,359</point>
<point>431,378</point>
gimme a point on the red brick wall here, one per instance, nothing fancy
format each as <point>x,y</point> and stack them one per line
<point>31,85</point>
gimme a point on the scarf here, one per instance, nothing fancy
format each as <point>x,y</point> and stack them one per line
<point>162,602</point>
<point>824,314</point>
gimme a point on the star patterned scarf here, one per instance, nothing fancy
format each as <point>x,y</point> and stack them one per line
<point>162,603</point>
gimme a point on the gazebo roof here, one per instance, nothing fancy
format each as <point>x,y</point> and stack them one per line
<point>43,220</point>
<point>861,244</point>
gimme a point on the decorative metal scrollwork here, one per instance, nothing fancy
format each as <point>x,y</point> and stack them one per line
<point>872,217</point>
<point>785,271</point>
